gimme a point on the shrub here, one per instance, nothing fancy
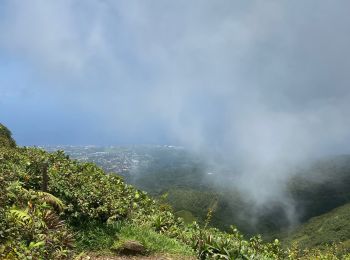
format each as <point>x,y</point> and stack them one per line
<point>6,139</point>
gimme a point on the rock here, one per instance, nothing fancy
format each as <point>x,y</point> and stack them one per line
<point>132,247</point>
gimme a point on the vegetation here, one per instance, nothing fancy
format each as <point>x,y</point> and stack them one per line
<point>154,241</point>
<point>52,207</point>
<point>6,139</point>
<point>322,186</point>
<point>314,189</point>
<point>328,228</point>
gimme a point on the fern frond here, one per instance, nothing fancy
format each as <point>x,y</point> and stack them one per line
<point>52,200</point>
<point>21,215</point>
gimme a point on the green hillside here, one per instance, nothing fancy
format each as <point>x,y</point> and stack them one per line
<point>52,207</point>
<point>322,186</point>
<point>314,188</point>
<point>328,228</point>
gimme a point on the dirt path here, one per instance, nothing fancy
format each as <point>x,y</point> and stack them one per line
<point>153,257</point>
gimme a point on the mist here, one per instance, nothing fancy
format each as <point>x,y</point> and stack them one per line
<point>260,84</point>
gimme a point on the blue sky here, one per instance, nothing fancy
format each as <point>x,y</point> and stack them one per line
<point>253,79</point>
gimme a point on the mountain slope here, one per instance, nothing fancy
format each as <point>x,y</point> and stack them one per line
<point>193,183</point>
<point>327,228</point>
<point>52,207</point>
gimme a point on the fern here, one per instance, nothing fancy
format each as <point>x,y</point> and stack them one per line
<point>22,216</point>
<point>52,200</point>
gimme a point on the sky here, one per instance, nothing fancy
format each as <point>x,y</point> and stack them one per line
<point>255,80</point>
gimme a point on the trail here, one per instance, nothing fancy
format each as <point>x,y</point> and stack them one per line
<point>152,257</point>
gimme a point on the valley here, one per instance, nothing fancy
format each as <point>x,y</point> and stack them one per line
<point>192,186</point>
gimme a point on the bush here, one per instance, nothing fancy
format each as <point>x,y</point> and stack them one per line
<point>6,139</point>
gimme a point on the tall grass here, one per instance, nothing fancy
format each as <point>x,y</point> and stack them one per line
<point>153,242</point>
<point>96,236</point>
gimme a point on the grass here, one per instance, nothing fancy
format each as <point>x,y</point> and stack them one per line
<point>154,242</point>
<point>103,239</point>
<point>93,236</point>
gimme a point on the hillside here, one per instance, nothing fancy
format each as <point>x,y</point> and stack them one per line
<point>56,208</point>
<point>331,227</point>
<point>52,207</point>
<point>314,188</point>
<point>321,186</point>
